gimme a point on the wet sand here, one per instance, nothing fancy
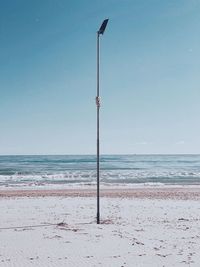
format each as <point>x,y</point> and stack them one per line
<point>184,192</point>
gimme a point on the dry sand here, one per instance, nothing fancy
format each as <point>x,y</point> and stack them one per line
<point>140,227</point>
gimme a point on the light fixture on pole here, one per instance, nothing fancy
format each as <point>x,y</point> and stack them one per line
<point>100,31</point>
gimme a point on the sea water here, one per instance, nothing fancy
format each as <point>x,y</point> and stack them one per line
<point>16,171</point>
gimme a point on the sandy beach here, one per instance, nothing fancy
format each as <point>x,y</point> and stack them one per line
<point>139,227</point>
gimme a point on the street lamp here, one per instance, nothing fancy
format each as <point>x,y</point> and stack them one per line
<point>100,31</point>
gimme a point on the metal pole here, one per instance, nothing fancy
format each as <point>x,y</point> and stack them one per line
<point>100,31</point>
<point>98,107</point>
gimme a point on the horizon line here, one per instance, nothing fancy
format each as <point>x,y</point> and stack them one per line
<point>106,154</point>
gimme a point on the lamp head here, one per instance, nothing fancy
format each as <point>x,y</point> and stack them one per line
<point>103,27</point>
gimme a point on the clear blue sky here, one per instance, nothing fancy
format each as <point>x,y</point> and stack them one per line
<point>150,76</point>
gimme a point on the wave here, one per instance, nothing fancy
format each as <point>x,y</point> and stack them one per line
<point>119,176</point>
<point>122,169</point>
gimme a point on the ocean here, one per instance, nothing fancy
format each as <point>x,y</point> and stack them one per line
<point>16,171</point>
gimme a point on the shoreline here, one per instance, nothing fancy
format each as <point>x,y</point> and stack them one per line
<point>178,193</point>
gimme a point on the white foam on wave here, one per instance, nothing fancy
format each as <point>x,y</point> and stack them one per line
<point>122,177</point>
